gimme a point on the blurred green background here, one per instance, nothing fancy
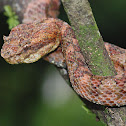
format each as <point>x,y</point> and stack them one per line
<point>36,95</point>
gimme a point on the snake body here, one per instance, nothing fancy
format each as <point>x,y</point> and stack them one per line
<point>28,43</point>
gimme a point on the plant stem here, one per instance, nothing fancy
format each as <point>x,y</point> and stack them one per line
<point>88,35</point>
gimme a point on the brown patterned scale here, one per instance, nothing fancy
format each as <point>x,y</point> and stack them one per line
<point>28,43</point>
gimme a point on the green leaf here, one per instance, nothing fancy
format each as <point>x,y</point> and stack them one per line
<point>12,18</point>
<point>12,22</point>
<point>8,11</point>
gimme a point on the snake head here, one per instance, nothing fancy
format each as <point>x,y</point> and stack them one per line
<point>27,43</point>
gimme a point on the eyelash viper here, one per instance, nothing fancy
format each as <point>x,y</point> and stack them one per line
<point>28,43</point>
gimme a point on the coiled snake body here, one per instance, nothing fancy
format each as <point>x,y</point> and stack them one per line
<point>27,43</point>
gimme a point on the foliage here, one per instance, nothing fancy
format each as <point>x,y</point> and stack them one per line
<point>12,17</point>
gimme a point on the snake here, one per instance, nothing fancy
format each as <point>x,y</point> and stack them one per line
<point>52,37</point>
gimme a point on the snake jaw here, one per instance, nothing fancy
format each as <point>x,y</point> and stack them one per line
<point>33,57</point>
<point>27,56</point>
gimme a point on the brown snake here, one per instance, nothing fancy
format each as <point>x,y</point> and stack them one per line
<point>28,43</point>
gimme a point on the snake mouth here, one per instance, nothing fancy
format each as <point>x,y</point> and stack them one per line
<point>31,53</point>
<point>42,51</point>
